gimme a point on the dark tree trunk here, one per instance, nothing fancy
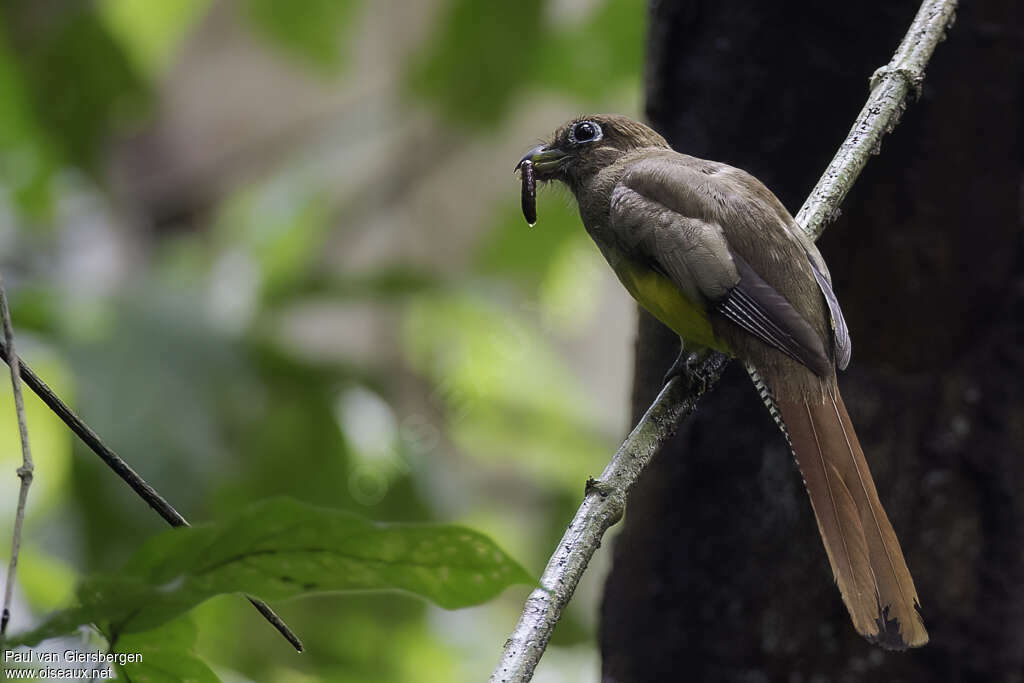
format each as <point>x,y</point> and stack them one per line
<point>719,573</point>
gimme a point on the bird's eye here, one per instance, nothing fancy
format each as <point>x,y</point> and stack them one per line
<point>585,131</point>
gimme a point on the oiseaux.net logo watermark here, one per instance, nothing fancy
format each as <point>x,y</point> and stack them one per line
<point>68,665</point>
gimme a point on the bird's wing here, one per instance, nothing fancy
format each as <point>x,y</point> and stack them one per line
<point>840,332</point>
<point>663,213</point>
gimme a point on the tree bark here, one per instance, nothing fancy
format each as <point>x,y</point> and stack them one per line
<point>719,573</point>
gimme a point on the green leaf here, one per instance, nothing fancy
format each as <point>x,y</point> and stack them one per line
<point>281,548</point>
<point>167,655</point>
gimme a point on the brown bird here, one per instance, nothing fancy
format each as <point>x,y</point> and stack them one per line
<point>714,255</point>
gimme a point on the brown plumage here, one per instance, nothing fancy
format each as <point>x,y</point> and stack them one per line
<point>862,548</point>
<point>712,253</point>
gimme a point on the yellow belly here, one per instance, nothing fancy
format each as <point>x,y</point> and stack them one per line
<point>667,303</point>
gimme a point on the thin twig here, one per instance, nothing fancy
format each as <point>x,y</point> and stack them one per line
<point>27,467</point>
<point>604,501</point>
<point>127,474</point>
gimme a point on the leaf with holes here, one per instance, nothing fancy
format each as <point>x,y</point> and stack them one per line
<point>281,548</point>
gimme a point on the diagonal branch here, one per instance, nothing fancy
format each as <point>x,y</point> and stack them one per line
<point>27,467</point>
<point>123,470</point>
<point>891,86</point>
<point>605,500</point>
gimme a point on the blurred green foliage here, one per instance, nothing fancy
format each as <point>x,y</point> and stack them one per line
<point>481,59</point>
<point>51,442</point>
<point>507,395</point>
<point>310,33</point>
<point>27,155</point>
<point>149,32</point>
<point>603,51</point>
<point>487,54</point>
<point>505,252</point>
<point>65,83</point>
<point>182,367</point>
<point>79,81</point>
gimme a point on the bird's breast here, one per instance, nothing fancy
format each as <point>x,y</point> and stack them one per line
<point>666,302</point>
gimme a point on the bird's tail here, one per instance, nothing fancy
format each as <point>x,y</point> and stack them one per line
<point>862,548</point>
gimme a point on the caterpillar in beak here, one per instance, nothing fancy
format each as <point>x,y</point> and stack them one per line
<point>529,194</point>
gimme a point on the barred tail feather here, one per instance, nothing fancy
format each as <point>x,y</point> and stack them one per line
<point>862,548</point>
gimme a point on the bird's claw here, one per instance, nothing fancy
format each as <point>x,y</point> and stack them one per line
<point>689,365</point>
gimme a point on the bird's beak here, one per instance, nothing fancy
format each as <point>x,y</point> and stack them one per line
<point>544,159</point>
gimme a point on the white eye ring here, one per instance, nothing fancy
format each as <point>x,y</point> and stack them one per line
<point>598,133</point>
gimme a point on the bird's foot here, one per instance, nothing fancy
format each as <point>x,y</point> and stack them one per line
<point>600,487</point>
<point>689,365</point>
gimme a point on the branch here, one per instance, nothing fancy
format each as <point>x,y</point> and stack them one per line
<point>890,87</point>
<point>603,506</point>
<point>123,470</point>
<point>605,500</point>
<point>26,469</point>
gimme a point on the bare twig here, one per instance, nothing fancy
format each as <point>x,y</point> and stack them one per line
<point>604,501</point>
<point>26,469</point>
<point>123,470</point>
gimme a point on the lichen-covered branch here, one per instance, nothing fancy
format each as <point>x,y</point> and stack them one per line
<point>603,506</point>
<point>891,86</point>
<point>605,499</point>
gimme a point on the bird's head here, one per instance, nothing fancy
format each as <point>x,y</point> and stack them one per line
<point>585,145</point>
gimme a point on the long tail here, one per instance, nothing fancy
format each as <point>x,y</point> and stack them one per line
<point>862,548</point>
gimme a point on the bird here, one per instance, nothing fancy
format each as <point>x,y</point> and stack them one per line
<point>713,254</point>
